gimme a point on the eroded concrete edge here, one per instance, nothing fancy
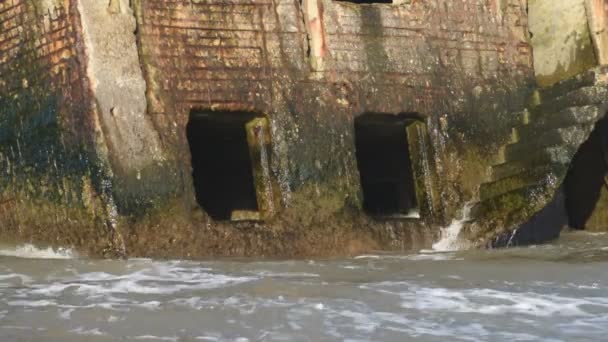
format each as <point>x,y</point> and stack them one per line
<point>118,84</point>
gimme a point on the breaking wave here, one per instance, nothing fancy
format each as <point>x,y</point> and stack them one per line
<point>29,251</point>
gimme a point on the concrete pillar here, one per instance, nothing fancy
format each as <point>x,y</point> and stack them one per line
<point>597,13</point>
<point>313,17</point>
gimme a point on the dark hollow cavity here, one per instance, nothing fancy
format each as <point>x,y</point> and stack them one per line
<point>586,176</point>
<point>385,167</point>
<point>221,162</point>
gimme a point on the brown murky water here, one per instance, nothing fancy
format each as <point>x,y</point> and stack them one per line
<point>556,292</point>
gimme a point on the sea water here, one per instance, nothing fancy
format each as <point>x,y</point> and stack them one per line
<point>554,292</point>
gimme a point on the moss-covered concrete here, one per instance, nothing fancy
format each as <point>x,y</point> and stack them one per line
<point>310,82</point>
<point>523,202</point>
<point>53,183</point>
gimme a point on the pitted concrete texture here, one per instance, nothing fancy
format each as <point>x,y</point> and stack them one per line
<point>597,15</point>
<point>521,203</point>
<point>560,38</point>
<point>117,83</point>
<point>311,68</point>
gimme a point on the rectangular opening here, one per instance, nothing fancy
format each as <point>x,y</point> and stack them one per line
<point>385,166</point>
<point>225,167</point>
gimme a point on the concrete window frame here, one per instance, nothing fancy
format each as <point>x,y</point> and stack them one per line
<point>419,154</point>
<point>256,138</point>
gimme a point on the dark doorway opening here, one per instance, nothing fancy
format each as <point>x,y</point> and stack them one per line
<point>587,176</point>
<point>385,165</point>
<point>221,162</point>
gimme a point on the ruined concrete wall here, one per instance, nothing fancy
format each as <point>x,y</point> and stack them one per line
<point>95,165</point>
<point>538,188</point>
<point>312,67</point>
<point>51,177</point>
<point>128,138</point>
<point>553,172</point>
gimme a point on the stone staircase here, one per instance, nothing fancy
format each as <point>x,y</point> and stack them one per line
<point>556,122</point>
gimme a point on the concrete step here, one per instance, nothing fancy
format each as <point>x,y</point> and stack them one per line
<point>596,76</point>
<point>566,136</point>
<point>504,203</point>
<point>526,178</point>
<point>515,117</point>
<point>545,156</point>
<point>563,118</point>
<point>523,117</point>
<point>585,96</point>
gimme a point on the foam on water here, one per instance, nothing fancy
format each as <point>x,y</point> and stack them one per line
<point>156,338</point>
<point>157,279</point>
<point>29,251</point>
<point>496,302</point>
<point>450,239</point>
<point>375,297</point>
<point>428,255</point>
<point>90,332</point>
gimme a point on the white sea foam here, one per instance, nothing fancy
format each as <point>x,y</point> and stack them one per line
<point>423,255</point>
<point>156,338</point>
<point>351,267</point>
<point>29,251</point>
<point>450,239</point>
<point>489,301</point>
<point>367,256</point>
<point>156,281</point>
<point>269,274</point>
<point>281,301</point>
<point>88,332</point>
<point>66,314</point>
<point>13,276</point>
<point>433,256</point>
<point>32,303</point>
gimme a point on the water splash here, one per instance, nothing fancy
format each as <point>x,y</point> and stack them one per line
<point>29,251</point>
<point>449,240</point>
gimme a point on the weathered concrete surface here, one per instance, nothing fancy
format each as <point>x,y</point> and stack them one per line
<point>117,83</point>
<point>552,174</point>
<point>461,66</point>
<point>561,39</point>
<point>313,17</point>
<point>312,69</point>
<point>52,179</point>
<point>597,17</point>
<point>529,194</point>
<point>127,137</point>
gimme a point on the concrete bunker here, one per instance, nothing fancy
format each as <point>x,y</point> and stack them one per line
<point>385,161</point>
<point>230,153</point>
<point>586,186</point>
